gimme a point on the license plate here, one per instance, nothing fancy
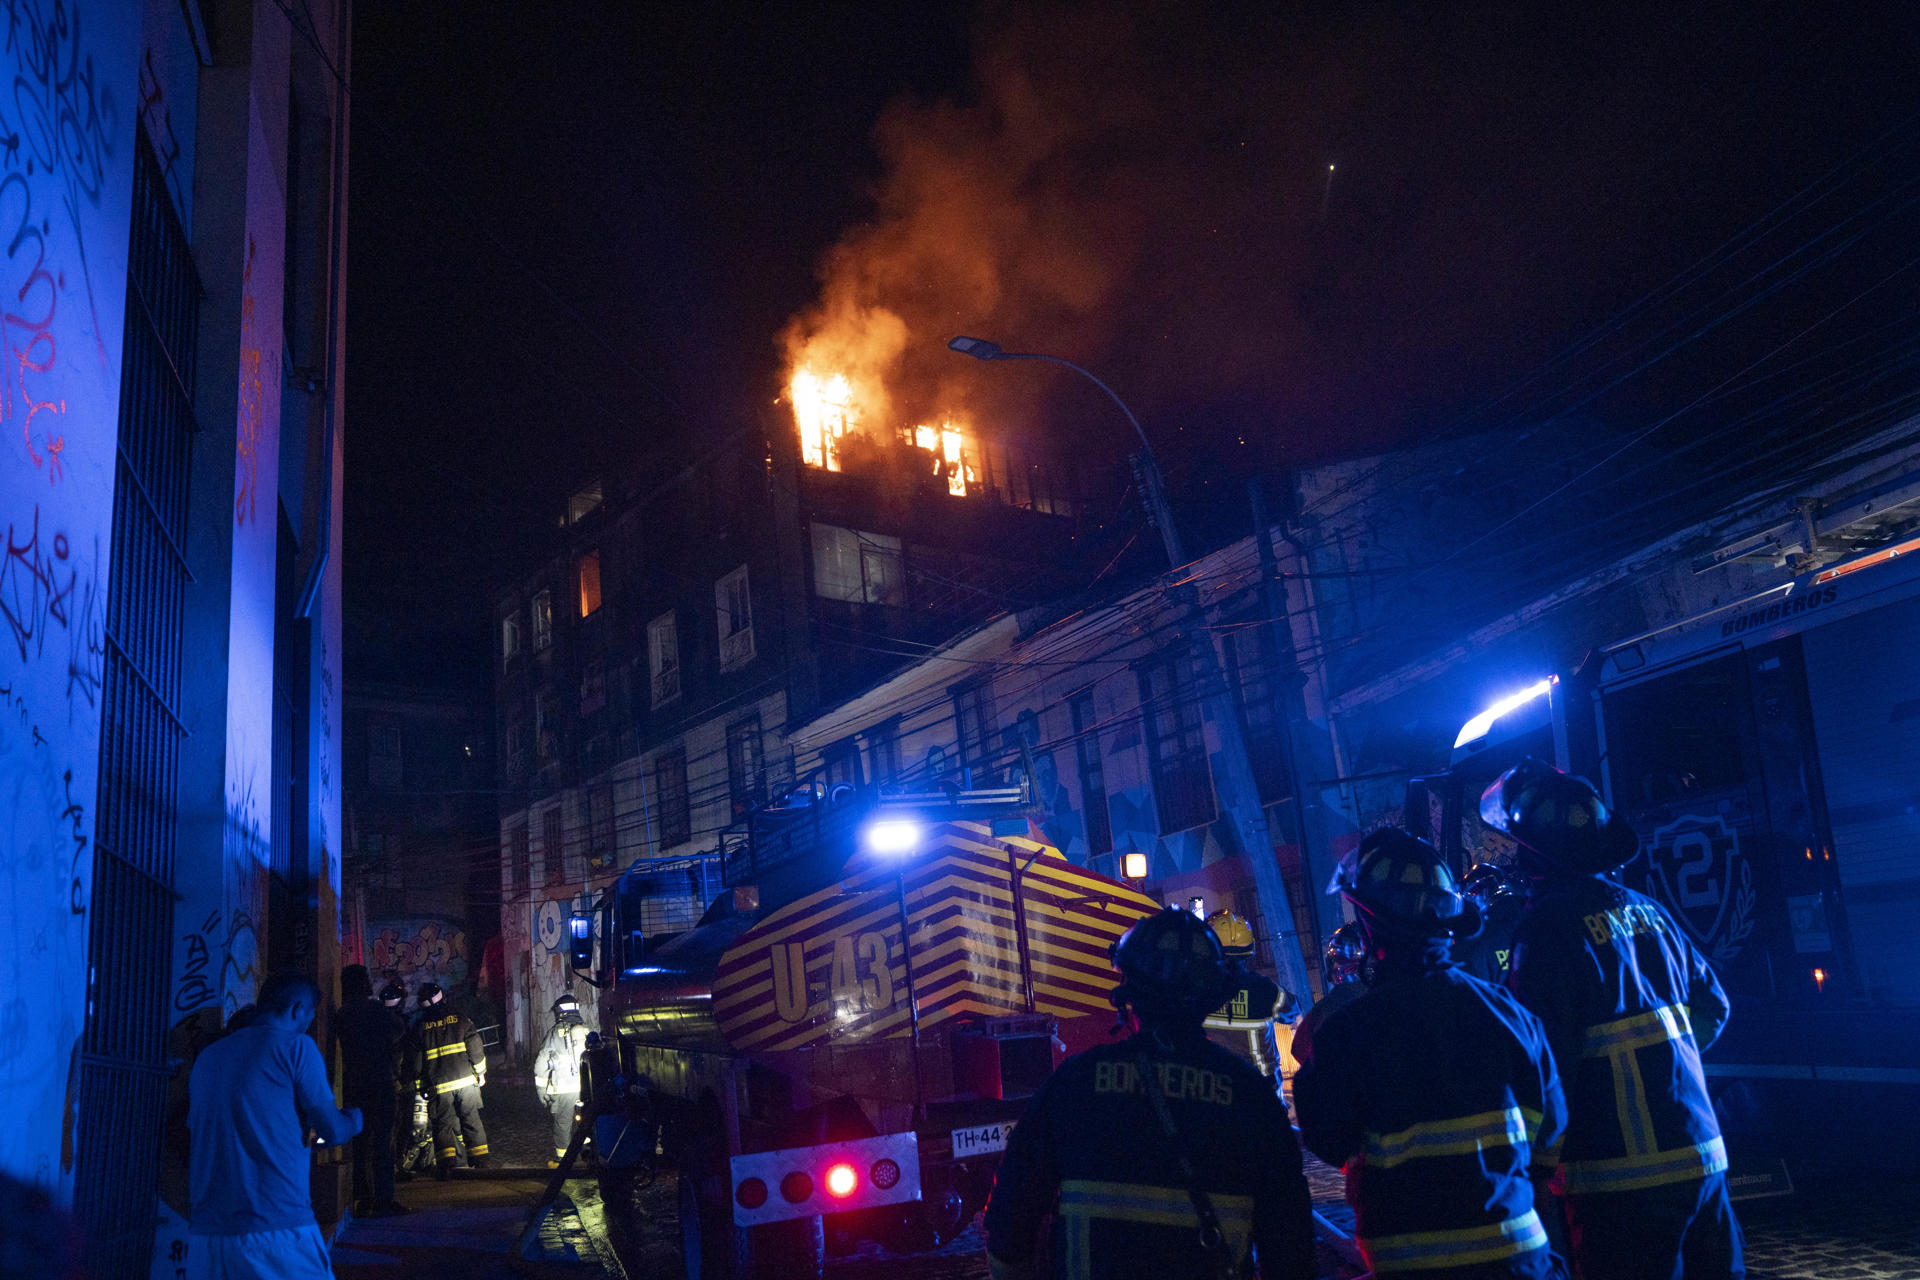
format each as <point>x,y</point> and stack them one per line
<point>981,1140</point>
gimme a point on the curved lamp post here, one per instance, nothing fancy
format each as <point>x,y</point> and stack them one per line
<point>1146,466</point>
<point>1233,778</point>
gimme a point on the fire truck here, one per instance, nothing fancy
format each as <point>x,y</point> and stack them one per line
<point>1765,752</point>
<point>842,1044</point>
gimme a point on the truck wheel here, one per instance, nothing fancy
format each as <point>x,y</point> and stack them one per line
<point>794,1250</point>
<point>711,1247</point>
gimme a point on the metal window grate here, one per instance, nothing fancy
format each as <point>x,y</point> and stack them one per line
<point>123,1070</point>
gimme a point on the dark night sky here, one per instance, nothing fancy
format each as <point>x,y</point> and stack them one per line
<point>578,231</point>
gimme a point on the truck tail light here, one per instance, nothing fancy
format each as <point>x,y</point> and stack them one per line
<point>841,1180</point>
<point>831,1177</point>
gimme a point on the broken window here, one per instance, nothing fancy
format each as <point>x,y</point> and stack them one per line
<point>663,658</point>
<point>589,575</point>
<point>542,621</point>
<point>733,604</point>
<point>862,567</point>
<point>670,792</point>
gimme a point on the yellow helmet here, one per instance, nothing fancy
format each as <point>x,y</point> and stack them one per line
<point>1235,934</point>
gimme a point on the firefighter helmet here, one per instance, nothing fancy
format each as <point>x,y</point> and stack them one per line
<point>566,1006</point>
<point>1235,934</point>
<point>1172,968</point>
<point>1345,958</point>
<point>1558,819</point>
<point>1401,882</point>
<point>1486,881</point>
<point>427,994</point>
<point>393,995</point>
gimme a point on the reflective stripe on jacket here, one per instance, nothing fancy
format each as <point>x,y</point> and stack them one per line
<point>1628,1001</point>
<point>1438,1094</point>
<point>1090,1152</point>
<point>556,1068</point>
<point>449,1052</point>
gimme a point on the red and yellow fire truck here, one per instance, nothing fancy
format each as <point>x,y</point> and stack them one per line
<point>845,1039</point>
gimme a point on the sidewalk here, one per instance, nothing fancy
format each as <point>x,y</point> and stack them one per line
<point>471,1228</point>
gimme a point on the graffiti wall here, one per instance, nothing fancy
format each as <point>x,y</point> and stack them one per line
<point>421,949</point>
<point>66,165</point>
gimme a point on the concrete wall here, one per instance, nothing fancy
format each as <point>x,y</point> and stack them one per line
<point>66,165</point>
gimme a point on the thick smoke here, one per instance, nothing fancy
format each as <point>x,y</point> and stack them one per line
<point>1103,198</point>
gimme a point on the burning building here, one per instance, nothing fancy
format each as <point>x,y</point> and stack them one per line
<point>648,662</point>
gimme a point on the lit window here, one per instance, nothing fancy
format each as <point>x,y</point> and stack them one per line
<point>510,636</point>
<point>733,603</point>
<point>862,567</point>
<point>543,621</point>
<point>663,658</point>
<point>589,584</point>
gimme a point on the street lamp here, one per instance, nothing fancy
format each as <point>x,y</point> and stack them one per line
<point>1146,466</point>
<point>1233,775</point>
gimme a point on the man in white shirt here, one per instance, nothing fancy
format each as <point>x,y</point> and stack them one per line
<point>254,1093</point>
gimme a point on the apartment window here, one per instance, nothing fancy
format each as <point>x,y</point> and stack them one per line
<point>840,763</point>
<point>599,828</point>
<point>746,767</point>
<point>1093,775</point>
<point>520,862</point>
<point>550,871</point>
<point>862,567</point>
<point>1176,744</point>
<point>510,636</point>
<point>542,621</point>
<point>1256,696</point>
<point>733,604</point>
<point>588,572</point>
<point>974,728</point>
<point>670,791</point>
<point>383,755</point>
<point>663,658</point>
<point>883,746</point>
<point>546,728</point>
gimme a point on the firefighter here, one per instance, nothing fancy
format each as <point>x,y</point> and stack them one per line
<point>556,1071</point>
<point>1343,977</point>
<point>1258,999</point>
<point>1164,1155</point>
<point>1435,1090</point>
<point>412,1144</point>
<point>451,1066</point>
<point>1628,1003</point>
<point>1501,897</point>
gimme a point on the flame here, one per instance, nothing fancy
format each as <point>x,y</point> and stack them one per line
<point>823,409</point>
<point>950,450</point>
